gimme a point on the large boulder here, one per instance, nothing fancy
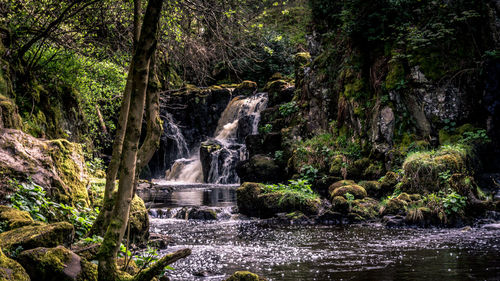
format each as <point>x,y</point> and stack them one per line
<point>10,270</point>
<point>424,171</point>
<point>57,165</point>
<point>254,201</point>
<point>245,276</point>
<point>57,264</point>
<point>37,235</point>
<point>14,218</point>
<point>260,168</point>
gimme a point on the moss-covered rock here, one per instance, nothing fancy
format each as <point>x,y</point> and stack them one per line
<point>365,209</point>
<point>252,201</point>
<point>339,184</point>
<point>260,168</point>
<point>388,182</point>
<point>38,235</point>
<point>246,88</point>
<point>57,264</point>
<point>357,191</point>
<point>373,188</point>
<point>424,170</point>
<point>279,91</point>
<point>9,116</point>
<point>10,270</point>
<point>58,166</point>
<point>404,197</point>
<point>394,206</point>
<point>340,205</point>
<point>13,218</point>
<point>245,276</point>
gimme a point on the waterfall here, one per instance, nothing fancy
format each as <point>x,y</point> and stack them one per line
<point>223,161</point>
<point>218,156</point>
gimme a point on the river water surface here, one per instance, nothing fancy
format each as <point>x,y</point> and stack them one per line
<point>314,252</point>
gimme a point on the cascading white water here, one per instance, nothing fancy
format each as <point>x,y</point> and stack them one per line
<point>223,160</point>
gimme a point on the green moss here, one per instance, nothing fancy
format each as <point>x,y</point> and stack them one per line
<point>245,276</point>
<point>9,115</point>
<point>68,161</point>
<point>354,89</point>
<point>395,75</point>
<point>302,59</point>
<point>51,264</point>
<point>404,197</point>
<point>14,218</point>
<point>394,207</point>
<point>38,235</point>
<point>340,204</point>
<point>423,170</point>
<point>11,270</point>
<point>358,191</point>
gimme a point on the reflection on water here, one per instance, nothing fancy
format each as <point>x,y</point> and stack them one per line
<point>280,252</point>
<point>191,195</point>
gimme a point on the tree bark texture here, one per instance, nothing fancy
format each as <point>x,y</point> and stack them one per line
<point>107,270</point>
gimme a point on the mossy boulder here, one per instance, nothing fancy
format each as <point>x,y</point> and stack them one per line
<point>38,235</point>
<point>260,168</point>
<point>57,264</point>
<point>340,183</point>
<point>57,165</point>
<point>404,197</point>
<point>388,182</point>
<point>253,201</point>
<point>279,91</point>
<point>424,170</point>
<point>364,209</point>
<point>9,116</point>
<point>340,205</point>
<point>245,276</point>
<point>394,206</point>
<point>246,88</point>
<point>356,190</point>
<point>14,218</point>
<point>10,270</point>
<point>373,188</point>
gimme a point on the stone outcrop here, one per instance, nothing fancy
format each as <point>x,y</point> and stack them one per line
<point>38,235</point>
<point>57,165</point>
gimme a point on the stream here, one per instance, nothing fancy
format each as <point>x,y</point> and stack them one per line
<point>317,252</point>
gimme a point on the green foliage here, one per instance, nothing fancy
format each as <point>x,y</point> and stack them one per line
<point>148,257</point>
<point>300,187</point>
<point>288,108</point>
<point>266,129</point>
<point>475,137</point>
<point>97,85</point>
<point>309,173</point>
<point>454,203</point>
<point>31,197</point>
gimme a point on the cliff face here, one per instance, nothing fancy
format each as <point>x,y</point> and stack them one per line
<point>390,80</point>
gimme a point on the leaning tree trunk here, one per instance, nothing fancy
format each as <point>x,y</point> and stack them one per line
<point>107,270</point>
<point>114,165</point>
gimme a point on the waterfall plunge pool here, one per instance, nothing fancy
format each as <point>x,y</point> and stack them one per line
<point>316,252</point>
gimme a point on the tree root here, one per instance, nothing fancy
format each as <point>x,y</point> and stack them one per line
<point>153,271</point>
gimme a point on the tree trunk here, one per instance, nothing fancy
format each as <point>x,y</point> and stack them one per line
<point>107,270</point>
<point>114,165</point>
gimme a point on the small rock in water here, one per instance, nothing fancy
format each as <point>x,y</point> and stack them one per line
<point>204,273</point>
<point>492,226</point>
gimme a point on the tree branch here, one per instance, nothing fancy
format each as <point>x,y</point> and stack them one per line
<point>158,266</point>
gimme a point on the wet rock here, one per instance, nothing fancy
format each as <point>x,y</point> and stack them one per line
<point>373,188</point>
<point>259,168</point>
<point>393,221</point>
<point>32,236</point>
<point>13,218</point>
<point>263,144</point>
<point>159,241</point>
<point>279,91</point>
<point>204,273</point>
<point>493,226</point>
<point>383,132</point>
<point>245,276</point>
<point>57,165</point>
<point>246,88</point>
<point>394,206</point>
<point>57,264</point>
<point>356,190</point>
<point>340,205</point>
<point>202,214</point>
<point>10,270</point>
<point>253,202</point>
<point>330,218</point>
